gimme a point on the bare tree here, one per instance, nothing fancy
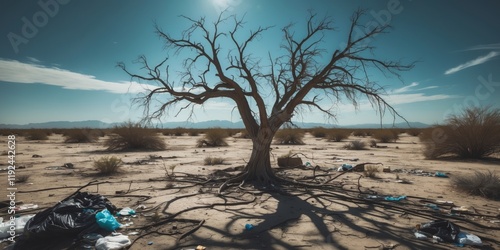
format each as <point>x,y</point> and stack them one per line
<point>302,75</point>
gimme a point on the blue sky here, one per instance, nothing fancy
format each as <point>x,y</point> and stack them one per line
<point>58,57</point>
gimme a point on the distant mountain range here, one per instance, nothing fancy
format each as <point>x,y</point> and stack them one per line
<point>205,124</point>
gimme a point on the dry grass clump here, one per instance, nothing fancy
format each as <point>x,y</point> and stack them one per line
<point>289,136</point>
<point>319,132</point>
<point>213,160</point>
<point>193,132</point>
<point>81,135</point>
<point>371,171</point>
<point>133,136</point>
<point>338,135</point>
<point>108,165</point>
<point>355,145</point>
<point>475,133</point>
<point>414,131</point>
<point>386,135</point>
<point>22,178</point>
<point>37,135</point>
<point>214,137</point>
<point>362,132</point>
<point>486,184</point>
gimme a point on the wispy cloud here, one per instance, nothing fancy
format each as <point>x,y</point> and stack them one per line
<point>493,46</point>
<point>477,61</point>
<point>19,72</point>
<point>405,88</point>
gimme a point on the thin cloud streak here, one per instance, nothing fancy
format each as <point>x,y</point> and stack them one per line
<point>19,72</point>
<point>406,88</point>
<point>477,61</point>
<point>493,46</point>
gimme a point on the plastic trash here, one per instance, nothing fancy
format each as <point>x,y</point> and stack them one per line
<point>441,230</point>
<point>346,167</point>
<point>468,239</point>
<point>18,225</point>
<point>420,236</point>
<point>106,221</point>
<point>440,174</point>
<point>126,211</point>
<point>26,206</point>
<point>433,206</point>
<point>113,242</point>
<point>248,227</point>
<point>391,198</point>
<point>91,238</point>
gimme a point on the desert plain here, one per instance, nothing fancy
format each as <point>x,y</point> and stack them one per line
<point>350,217</point>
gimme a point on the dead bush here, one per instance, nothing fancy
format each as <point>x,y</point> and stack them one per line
<point>289,136</point>
<point>386,135</point>
<point>214,137</point>
<point>37,135</point>
<point>319,132</point>
<point>22,178</point>
<point>133,136</point>
<point>338,135</point>
<point>371,171</point>
<point>475,133</point>
<point>81,136</point>
<point>486,184</point>
<point>213,160</point>
<point>355,145</point>
<point>414,131</point>
<point>108,165</point>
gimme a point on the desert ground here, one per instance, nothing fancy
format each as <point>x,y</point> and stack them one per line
<point>309,220</point>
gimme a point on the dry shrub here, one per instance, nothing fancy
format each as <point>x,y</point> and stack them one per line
<point>22,178</point>
<point>193,132</point>
<point>414,131</point>
<point>338,135</point>
<point>475,133</point>
<point>37,134</point>
<point>133,136</point>
<point>319,132</point>
<point>108,165</point>
<point>486,184</point>
<point>289,136</point>
<point>213,160</point>
<point>355,145</point>
<point>214,137</point>
<point>386,135</point>
<point>371,171</point>
<point>81,135</point>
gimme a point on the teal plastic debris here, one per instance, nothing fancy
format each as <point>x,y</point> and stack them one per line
<point>106,220</point>
<point>440,174</point>
<point>248,227</point>
<point>391,198</point>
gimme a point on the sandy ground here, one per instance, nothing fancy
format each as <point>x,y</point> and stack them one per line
<point>280,221</point>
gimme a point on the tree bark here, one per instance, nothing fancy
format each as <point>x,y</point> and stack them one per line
<point>258,168</point>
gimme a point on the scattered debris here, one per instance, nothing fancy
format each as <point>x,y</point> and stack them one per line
<point>114,241</point>
<point>36,156</point>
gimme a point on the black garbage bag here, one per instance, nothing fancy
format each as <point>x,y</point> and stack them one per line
<point>70,219</point>
<point>443,229</point>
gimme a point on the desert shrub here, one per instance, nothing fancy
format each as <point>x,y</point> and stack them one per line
<point>22,178</point>
<point>386,135</point>
<point>214,137</point>
<point>337,135</point>
<point>193,132</point>
<point>373,143</point>
<point>289,136</point>
<point>133,136</point>
<point>108,165</point>
<point>355,145</point>
<point>213,160</point>
<point>80,136</point>
<point>319,132</point>
<point>486,184</point>
<point>371,171</point>
<point>475,133</point>
<point>414,131</point>
<point>37,134</point>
